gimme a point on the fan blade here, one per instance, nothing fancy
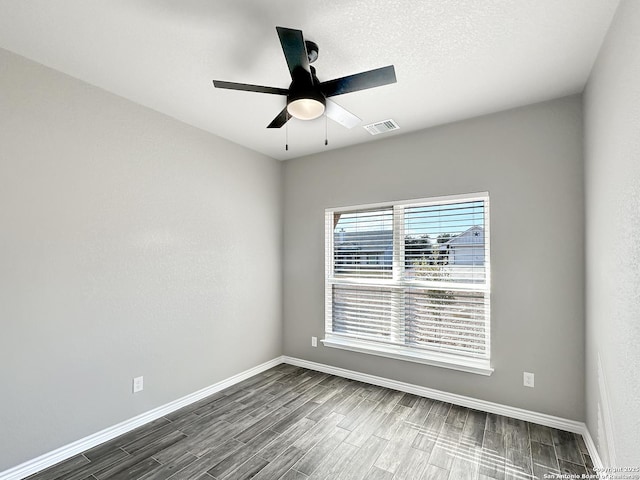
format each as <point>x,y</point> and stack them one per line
<point>359,81</point>
<point>282,118</point>
<point>295,51</point>
<point>250,88</point>
<point>341,115</point>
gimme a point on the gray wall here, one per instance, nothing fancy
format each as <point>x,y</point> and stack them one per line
<point>131,244</point>
<point>612,174</point>
<point>530,160</point>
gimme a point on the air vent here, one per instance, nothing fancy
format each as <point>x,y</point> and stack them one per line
<point>381,127</point>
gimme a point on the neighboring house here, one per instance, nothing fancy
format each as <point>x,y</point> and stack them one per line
<point>374,248</point>
<point>466,248</point>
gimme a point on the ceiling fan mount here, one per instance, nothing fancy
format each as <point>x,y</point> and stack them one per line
<point>307,97</point>
<point>312,50</point>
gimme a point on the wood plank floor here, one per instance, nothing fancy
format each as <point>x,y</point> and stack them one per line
<point>295,424</point>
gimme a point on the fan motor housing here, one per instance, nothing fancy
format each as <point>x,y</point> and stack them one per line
<point>305,86</point>
<point>305,100</point>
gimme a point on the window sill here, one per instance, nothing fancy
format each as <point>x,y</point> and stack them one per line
<point>469,365</point>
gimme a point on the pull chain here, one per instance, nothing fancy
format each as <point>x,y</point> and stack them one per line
<point>286,132</point>
<point>326,140</point>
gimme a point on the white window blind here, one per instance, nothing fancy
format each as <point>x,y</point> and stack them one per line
<point>411,280</point>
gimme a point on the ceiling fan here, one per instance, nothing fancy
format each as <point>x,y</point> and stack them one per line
<point>307,97</point>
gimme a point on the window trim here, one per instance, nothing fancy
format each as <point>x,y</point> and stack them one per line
<point>436,359</point>
<point>481,366</point>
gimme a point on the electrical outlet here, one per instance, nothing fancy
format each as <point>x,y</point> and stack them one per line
<point>528,379</point>
<point>138,384</point>
<point>314,341</point>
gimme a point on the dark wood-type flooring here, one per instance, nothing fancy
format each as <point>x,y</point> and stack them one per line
<point>295,424</point>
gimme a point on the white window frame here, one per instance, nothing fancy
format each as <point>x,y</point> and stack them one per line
<point>480,366</point>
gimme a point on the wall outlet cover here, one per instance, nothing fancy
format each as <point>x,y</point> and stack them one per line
<point>138,384</point>
<point>529,379</point>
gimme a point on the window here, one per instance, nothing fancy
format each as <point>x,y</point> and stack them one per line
<point>410,280</point>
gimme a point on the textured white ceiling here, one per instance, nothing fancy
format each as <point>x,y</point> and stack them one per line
<point>453,59</point>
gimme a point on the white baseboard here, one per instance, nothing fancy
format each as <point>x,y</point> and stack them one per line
<point>591,447</point>
<point>63,453</point>
<point>49,459</point>
<point>469,402</point>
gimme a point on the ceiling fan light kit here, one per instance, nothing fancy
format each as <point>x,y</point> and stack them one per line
<point>307,97</point>
<point>306,108</point>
